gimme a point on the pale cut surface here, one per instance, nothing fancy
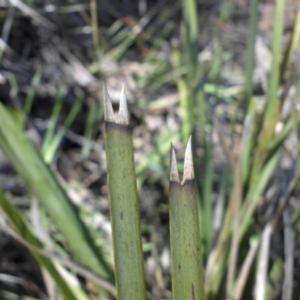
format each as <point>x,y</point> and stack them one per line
<point>188,169</point>
<point>108,109</point>
<point>123,109</point>
<point>174,176</point>
<point>123,116</point>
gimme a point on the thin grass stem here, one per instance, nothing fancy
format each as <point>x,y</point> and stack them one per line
<point>250,52</point>
<point>25,232</point>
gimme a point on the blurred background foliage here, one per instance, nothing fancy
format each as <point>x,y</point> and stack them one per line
<point>225,71</point>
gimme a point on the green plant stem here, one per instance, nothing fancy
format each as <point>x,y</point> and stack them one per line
<point>34,85</point>
<point>185,102</point>
<point>273,101</point>
<point>96,40</point>
<point>53,120</point>
<point>218,257</point>
<point>128,256</point>
<point>207,203</point>
<point>234,249</point>
<point>272,109</point>
<point>185,242</point>
<point>292,47</point>
<point>54,145</point>
<point>186,254</point>
<point>191,32</point>
<point>250,52</point>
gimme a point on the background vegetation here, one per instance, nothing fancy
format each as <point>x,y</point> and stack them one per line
<point>225,72</point>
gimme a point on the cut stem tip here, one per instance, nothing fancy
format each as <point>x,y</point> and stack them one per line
<point>108,109</point>
<point>188,169</point>
<point>123,109</point>
<point>174,176</point>
<point>123,116</point>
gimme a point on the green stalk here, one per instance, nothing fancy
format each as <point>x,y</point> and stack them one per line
<point>53,120</point>
<point>183,89</point>
<point>247,143</point>
<point>191,33</point>
<point>96,40</point>
<point>227,8</point>
<point>196,108</point>
<point>31,94</point>
<point>54,145</point>
<point>187,270</point>
<point>207,204</point>
<point>292,47</point>
<point>123,196</point>
<point>272,105</point>
<point>256,191</point>
<point>272,109</point>
<point>250,52</point>
<point>234,249</point>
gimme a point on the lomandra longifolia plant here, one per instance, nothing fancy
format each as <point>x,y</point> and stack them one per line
<point>187,270</point>
<point>123,196</point>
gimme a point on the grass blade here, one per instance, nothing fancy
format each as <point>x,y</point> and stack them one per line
<point>96,39</point>
<point>218,257</point>
<point>251,52</point>
<point>23,229</point>
<point>272,109</point>
<point>54,145</point>
<point>272,105</point>
<point>34,85</point>
<point>90,128</point>
<point>53,121</point>
<point>253,196</point>
<point>292,47</point>
<point>40,181</point>
<point>207,203</point>
<point>234,249</point>
<point>183,88</point>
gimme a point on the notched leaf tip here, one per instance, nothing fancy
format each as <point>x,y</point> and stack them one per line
<point>174,176</point>
<point>188,169</point>
<point>123,109</point>
<point>109,115</point>
<point>123,116</point>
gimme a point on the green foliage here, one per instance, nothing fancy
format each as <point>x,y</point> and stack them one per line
<point>230,249</point>
<point>25,232</point>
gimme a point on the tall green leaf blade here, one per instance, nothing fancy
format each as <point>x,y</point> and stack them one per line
<point>187,270</point>
<point>29,165</point>
<point>24,231</point>
<point>124,210</point>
